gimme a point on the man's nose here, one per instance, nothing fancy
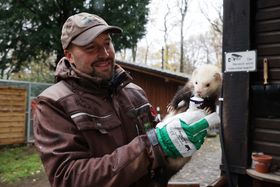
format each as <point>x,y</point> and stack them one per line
<point>104,51</point>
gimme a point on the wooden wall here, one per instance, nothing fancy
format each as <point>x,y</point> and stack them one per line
<point>265,122</point>
<point>250,118</point>
<point>158,90</point>
<point>12,115</point>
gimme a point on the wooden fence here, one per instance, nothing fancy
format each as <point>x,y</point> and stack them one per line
<point>12,115</point>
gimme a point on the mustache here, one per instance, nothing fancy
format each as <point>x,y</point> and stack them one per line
<point>99,60</point>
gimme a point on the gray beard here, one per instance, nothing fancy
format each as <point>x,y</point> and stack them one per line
<point>100,75</point>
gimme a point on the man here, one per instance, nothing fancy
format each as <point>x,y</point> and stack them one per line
<point>94,127</point>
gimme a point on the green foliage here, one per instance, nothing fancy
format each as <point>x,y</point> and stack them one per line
<point>35,72</point>
<point>30,29</point>
<point>17,163</point>
<point>131,15</point>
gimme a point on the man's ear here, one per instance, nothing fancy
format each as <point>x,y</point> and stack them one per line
<point>68,55</point>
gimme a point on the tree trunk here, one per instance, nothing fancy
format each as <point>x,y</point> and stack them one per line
<point>162,58</point>
<point>146,55</point>
<point>183,10</point>
<point>134,50</point>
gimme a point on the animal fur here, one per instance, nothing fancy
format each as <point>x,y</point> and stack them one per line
<point>205,82</point>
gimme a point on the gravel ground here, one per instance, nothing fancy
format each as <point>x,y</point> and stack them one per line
<point>204,165</point>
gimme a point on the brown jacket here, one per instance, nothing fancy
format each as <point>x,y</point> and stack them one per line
<point>90,133</point>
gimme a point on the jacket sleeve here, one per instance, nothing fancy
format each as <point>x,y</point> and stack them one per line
<point>68,162</point>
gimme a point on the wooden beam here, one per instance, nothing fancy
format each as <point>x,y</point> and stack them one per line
<point>236,37</point>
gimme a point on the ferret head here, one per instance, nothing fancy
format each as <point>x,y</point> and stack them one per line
<point>206,80</point>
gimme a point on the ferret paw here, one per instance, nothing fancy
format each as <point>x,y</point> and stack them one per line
<point>170,108</point>
<point>207,110</point>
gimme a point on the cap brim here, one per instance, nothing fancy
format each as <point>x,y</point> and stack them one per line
<point>90,34</point>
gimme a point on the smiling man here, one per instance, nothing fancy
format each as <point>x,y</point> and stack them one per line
<point>86,126</point>
<point>88,45</point>
<point>96,58</point>
<point>90,127</point>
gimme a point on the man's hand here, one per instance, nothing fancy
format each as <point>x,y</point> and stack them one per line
<point>183,134</point>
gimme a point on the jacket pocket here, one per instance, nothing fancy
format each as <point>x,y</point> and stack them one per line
<point>102,132</point>
<point>86,121</point>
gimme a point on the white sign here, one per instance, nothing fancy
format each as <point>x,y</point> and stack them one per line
<point>240,61</point>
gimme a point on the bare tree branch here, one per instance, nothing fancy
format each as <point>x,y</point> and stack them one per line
<point>183,7</point>
<point>217,23</point>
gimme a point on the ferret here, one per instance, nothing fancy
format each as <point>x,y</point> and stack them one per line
<point>206,82</point>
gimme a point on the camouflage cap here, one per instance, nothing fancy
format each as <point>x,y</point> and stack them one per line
<point>81,29</point>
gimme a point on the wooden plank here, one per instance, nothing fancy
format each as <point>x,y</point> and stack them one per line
<point>276,160</point>
<point>9,119</point>
<point>5,114</point>
<point>13,103</point>
<point>12,109</point>
<point>6,141</point>
<point>268,38</point>
<point>14,92</point>
<point>4,98</point>
<point>12,124</point>
<point>10,129</point>
<point>15,109</point>
<point>12,135</point>
<point>10,96</point>
<point>265,123</point>
<point>267,26</point>
<point>268,13</point>
<point>269,49</point>
<point>273,75</point>
<point>267,3</point>
<point>267,135</point>
<point>266,147</point>
<point>268,177</point>
<point>273,61</point>
<point>14,100</point>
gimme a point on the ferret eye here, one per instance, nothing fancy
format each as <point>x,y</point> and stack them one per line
<point>195,82</point>
<point>207,85</point>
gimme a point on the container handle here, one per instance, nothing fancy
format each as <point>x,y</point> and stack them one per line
<point>265,71</point>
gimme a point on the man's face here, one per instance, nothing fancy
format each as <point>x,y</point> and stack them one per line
<point>96,58</point>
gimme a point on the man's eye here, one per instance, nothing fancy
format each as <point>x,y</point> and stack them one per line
<point>107,44</point>
<point>91,48</point>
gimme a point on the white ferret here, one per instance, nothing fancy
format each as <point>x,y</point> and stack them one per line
<point>205,82</point>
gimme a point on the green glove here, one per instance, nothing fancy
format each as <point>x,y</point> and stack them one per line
<point>179,136</point>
